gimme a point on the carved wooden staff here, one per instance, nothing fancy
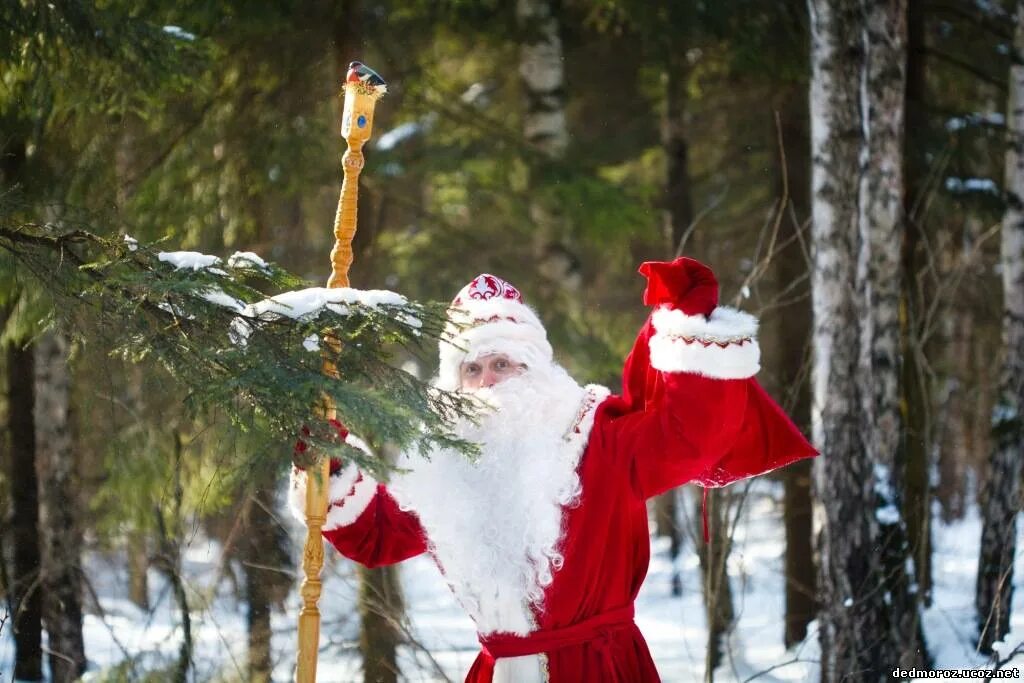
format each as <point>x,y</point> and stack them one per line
<point>363,87</point>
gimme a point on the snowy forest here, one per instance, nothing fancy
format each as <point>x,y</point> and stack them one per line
<point>852,171</point>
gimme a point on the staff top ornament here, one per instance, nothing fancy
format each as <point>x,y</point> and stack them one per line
<point>360,73</point>
<point>363,87</point>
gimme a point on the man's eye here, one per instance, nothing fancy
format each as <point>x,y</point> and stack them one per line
<point>501,364</point>
<point>472,369</point>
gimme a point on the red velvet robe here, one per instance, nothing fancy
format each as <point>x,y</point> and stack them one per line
<point>700,418</point>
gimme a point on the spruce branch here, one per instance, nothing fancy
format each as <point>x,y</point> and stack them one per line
<point>260,359</point>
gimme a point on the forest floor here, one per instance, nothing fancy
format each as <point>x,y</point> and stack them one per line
<point>123,642</point>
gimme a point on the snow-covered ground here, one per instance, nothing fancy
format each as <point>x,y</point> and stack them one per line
<point>445,639</point>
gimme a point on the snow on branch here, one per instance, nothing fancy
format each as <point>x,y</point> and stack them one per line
<point>211,324</point>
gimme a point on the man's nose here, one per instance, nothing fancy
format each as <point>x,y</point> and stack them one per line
<point>489,378</point>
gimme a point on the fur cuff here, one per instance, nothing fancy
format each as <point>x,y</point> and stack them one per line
<point>721,346</point>
<point>349,492</point>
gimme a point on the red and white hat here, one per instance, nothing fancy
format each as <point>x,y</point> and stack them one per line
<point>489,316</point>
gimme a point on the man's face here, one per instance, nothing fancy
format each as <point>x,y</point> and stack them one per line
<point>486,371</point>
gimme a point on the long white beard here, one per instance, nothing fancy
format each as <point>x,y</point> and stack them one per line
<point>495,525</point>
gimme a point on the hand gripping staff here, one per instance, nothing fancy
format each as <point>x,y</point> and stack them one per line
<point>363,87</point>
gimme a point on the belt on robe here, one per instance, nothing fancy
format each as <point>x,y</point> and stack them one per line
<point>596,630</point>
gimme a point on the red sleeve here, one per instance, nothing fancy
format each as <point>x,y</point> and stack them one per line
<point>682,435</point>
<point>382,534</point>
<point>363,520</point>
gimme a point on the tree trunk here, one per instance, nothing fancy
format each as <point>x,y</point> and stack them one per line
<point>258,619</point>
<point>869,618</point>
<point>792,328</point>
<point>380,609</point>
<point>917,397</point>
<point>26,592</point>
<point>953,440</point>
<point>543,78</point>
<point>138,566</point>
<point>59,506</point>
<point>715,587</point>
<point>1001,499</point>
<point>677,214</point>
<point>265,557</point>
<point>842,475</point>
<point>666,525</point>
<point>545,131</point>
<point>168,559</point>
<point>881,226</point>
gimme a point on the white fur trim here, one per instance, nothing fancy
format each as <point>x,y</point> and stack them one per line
<point>722,346</point>
<point>347,510</point>
<point>357,443</point>
<point>481,311</point>
<point>339,487</point>
<point>493,326</point>
<point>579,431</point>
<point>528,669</point>
<point>724,325</point>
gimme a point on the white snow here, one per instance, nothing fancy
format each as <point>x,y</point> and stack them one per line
<point>239,331</point>
<point>179,32</point>
<point>311,343</point>
<point>991,118</point>
<point>398,134</point>
<point>247,259</point>
<point>133,244</point>
<point>217,296</point>
<point>306,304</point>
<point>888,514</point>
<point>674,627</point>
<point>174,310</point>
<point>964,185</point>
<point>188,259</point>
<point>302,304</point>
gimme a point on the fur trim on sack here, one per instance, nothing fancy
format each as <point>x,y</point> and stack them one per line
<point>721,346</point>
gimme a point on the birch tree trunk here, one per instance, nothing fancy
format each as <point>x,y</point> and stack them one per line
<point>59,505</point>
<point>869,617</point>
<point>1001,497</point>
<point>842,475</point>
<point>25,587</point>
<point>543,78</point>
<point>879,283</point>
<point>545,130</point>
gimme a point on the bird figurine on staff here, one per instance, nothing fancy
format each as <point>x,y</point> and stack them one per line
<point>363,87</point>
